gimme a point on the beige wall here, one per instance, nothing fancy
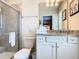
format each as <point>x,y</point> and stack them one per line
<point>61,9</point>
<point>72,21</point>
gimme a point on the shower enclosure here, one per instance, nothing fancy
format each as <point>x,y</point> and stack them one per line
<point>9,22</point>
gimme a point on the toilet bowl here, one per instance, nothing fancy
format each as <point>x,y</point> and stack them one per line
<point>27,44</point>
<point>22,54</point>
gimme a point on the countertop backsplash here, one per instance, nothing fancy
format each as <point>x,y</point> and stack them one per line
<point>64,31</point>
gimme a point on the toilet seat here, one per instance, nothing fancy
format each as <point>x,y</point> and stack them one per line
<point>22,54</point>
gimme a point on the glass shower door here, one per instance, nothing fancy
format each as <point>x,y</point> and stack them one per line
<point>9,23</point>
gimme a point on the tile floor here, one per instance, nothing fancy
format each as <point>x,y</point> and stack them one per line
<point>6,55</point>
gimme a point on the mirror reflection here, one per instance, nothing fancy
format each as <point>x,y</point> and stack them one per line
<point>53,15</point>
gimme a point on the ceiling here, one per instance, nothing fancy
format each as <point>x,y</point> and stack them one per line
<point>17,3</point>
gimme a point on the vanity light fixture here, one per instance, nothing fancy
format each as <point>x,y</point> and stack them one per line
<point>52,3</point>
<point>47,3</point>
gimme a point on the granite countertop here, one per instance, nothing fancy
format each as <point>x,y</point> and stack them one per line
<point>60,32</point>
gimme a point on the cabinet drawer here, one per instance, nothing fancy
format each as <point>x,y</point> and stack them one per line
<point>41,39</point>
<point>57,39</point>
<point>73,39</point>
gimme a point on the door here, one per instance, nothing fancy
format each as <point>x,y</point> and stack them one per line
<point>68,51</point>
<point>46,52</point>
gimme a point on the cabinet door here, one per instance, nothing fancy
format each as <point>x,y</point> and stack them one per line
<point>45,52</point>
<point>68,51</point>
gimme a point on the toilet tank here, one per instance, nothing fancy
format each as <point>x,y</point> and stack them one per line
<point>28,42</point>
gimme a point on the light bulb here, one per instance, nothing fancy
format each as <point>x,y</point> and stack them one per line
<point>56,4</point>
<point>52,4</point>
<point>47,4</point>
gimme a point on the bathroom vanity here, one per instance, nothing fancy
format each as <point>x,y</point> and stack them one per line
<point>57,46</point>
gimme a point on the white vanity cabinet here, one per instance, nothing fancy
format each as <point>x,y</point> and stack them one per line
<point>47,46</point>
<point>68,51</point>
<point>57,47</point>
<point>44,50</point>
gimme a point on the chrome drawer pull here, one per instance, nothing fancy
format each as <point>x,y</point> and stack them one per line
<point>45,39</point>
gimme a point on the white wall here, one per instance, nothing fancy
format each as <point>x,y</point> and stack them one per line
<point>29,26</point>
<point>29,8</point>
<point>29,21</point>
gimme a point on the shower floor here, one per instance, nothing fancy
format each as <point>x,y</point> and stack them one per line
<point>6,55</point>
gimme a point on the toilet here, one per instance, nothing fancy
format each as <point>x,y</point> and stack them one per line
<point>27,44</point>
<point>22,54</point>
